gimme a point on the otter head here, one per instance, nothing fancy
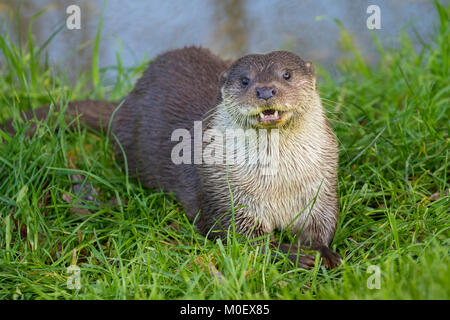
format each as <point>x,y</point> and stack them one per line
<point>267,90</point>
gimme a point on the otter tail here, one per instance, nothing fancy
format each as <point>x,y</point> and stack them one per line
<point>96,114</point>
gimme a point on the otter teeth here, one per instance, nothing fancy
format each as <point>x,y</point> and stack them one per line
<point>269,115</point>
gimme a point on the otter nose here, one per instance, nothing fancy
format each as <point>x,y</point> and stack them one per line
<point>266,92</point>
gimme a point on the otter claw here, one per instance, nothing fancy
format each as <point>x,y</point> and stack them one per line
<point>330,259</point>
<point>305,261</point>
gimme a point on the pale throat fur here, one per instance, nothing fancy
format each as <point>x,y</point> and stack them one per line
<point>301,194</point>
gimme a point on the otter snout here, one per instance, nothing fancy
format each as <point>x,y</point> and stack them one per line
<point>266,92</point>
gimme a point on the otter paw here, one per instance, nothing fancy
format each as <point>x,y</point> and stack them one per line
<point>299,259</point>
<point>305,261</point>
<point>330,259</point>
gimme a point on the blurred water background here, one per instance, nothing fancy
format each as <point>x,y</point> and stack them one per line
<point>141,29</point>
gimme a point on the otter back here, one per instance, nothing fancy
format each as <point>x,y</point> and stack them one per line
<point>178,88</point>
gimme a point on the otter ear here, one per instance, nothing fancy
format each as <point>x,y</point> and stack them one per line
<point>309,67</point>
<point>223,77</point>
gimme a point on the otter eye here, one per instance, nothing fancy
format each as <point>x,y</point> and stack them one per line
<point>244,81</point>
<point>286,75</point>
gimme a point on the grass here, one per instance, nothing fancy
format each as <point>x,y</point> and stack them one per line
<point>392,123</point>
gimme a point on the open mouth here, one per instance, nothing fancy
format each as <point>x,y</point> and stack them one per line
<point>270,116</point>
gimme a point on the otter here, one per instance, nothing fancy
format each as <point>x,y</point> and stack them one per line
<point>274,92</point>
